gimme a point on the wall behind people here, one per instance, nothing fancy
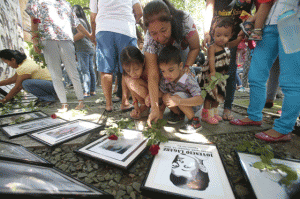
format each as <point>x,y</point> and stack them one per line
<point>11,32</point>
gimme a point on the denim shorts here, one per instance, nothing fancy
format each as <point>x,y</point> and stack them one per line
<point>197,109</point>
<point>108,50</point>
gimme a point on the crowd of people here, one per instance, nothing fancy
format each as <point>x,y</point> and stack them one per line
<point>157,70</point>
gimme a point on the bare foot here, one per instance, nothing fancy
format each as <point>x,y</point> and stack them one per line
<point>80,105</point>
<point>64,108</point>
<point>273,133</point>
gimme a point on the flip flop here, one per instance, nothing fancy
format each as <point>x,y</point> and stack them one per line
<point>130,107</point>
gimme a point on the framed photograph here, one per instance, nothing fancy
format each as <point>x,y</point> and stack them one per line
<point>7,112</point>
<point>20,179</point>
<point>187,170</point>
<point>21,117</point>
<point>16,152</point>
<point>266,183</point>
<point>121,152</point>
<point>16,130</point>
<point>65,132</point>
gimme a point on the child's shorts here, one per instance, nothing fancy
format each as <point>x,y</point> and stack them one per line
<point>197,109</point>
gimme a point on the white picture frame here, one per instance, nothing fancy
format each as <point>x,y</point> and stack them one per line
<point>17,130</point>
<point>120,153</point>
<point>187,170</point>
<point>64,132</point>
<point>266,184</point>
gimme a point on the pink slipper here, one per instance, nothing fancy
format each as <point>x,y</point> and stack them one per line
<point>268,138</point>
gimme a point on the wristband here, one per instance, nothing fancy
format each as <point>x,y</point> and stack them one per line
<point>134,102</point>
<point>186,66</point>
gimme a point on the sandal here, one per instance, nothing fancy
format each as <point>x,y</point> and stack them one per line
<point>80,105</point>
<point>64,108</point>
<point>127,108</point>
<point>247,30</point>
<point>256,35</point>
<point>227,116</point>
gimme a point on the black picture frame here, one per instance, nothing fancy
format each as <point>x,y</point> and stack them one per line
<point>266,184</point>
<point>21,179</point>
<point>121,153</point>
<point>187,170</point>
<point>65,132</point>
<point>10,119</point>
<point>16,130</point>
<point>18,153</point>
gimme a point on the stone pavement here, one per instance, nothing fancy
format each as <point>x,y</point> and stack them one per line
<point>95,113</point>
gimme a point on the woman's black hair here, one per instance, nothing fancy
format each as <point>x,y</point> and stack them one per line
<point>9,54</point>
<point>165,12</point>
<point>77,9</point>
<point>223,22</point>
<point>169,54</point>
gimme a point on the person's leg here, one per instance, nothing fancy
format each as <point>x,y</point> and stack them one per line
<point>273,82</point>
<point>246,68</point>
<point>53,60</point>
<point>263,57</point>
<point>290,84</point>
<point>106,63</point>
<point>230,85</point>
<point>92,74</point>
<point>83,62</point>
<point>42,89</point>
<point>67,51</point>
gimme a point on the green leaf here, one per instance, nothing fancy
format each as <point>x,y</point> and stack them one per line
<point>259,165</point>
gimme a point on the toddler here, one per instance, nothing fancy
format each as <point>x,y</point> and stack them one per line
<point>135,78</point>
<point>213,78</point>
<point>180,91</point>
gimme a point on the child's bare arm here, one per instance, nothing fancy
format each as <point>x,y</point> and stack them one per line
<point>175,100</point>
<point>236,42</point>
<point>211,60</point>
<point>193,101</point>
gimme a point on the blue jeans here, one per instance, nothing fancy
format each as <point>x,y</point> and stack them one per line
<point>42,89</point>
<point>263,58</point>
<point>86,66</point>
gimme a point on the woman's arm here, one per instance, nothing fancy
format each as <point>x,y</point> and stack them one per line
<point>137,11</point>
<point>93,26</point>
<point>17,88</point>
<point>209,12</point>
<point>194,45</point>
<point>153,82</point>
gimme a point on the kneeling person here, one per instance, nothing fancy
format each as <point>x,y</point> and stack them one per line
<point>29,76</point>
<point>180,91</point>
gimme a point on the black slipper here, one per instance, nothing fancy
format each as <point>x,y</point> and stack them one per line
<point>109,111</point>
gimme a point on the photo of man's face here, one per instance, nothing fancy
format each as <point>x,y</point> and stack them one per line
<point>189,173</point>
<point>184,166</point>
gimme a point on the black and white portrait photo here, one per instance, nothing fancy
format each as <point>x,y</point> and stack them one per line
<point>188,172</point>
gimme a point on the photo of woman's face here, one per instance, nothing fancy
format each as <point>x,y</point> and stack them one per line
<point>184,166</point>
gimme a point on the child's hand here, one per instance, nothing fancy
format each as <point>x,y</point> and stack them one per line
<point>172,101</point>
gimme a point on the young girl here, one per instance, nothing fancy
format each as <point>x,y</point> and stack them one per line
<point>213,79</point>
<point>135,78</point>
